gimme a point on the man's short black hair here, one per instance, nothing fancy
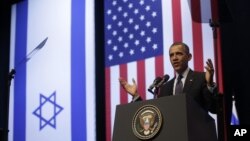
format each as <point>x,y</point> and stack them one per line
<point>183,44</point>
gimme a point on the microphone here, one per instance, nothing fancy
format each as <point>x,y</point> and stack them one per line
<point>164,80</point>
<point>156,81</point>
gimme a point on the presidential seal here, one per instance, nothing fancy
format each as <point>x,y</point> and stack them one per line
<point>147,122</point>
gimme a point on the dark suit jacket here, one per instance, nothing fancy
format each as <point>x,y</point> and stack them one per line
<point>196,87</point>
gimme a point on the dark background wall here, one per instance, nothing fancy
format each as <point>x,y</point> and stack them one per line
<point>235,37</point>
<point>4,53</point>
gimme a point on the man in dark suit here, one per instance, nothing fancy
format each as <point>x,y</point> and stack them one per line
<point>198,85</point>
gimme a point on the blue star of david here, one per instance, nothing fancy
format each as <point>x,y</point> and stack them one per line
<point>49,104</point>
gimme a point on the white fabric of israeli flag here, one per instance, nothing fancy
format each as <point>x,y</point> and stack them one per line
<point>234,116</point>
<point>53,92</point>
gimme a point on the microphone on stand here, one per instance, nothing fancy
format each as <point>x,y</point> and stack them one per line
<point>163,81</point>
<point>11,75</point>
<point>156,81</point>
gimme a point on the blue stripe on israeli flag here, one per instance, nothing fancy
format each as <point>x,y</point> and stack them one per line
<point>20,77</point>
<point>78,71</point>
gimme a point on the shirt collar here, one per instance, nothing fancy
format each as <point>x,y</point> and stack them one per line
<point>184,74</point>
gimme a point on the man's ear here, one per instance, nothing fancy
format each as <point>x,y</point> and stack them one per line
<point>189,56</point>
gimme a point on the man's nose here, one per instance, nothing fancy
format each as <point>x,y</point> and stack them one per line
<point>175,57</point>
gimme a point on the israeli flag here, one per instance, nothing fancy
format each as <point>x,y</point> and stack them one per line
<point>234,117</point>
<point>52,51</point>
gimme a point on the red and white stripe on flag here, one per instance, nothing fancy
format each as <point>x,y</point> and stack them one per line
<point>182,20</point>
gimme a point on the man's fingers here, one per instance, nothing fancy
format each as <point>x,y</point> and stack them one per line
<point>133,80</point>
<point>209,69</point>
<point>210,63</point>
<point>122,81</point>
<point>209,66</point>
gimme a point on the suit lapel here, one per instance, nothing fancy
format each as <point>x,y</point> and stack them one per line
<point>189,81</point>
<point>171,86</point>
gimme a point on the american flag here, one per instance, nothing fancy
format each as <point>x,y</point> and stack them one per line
<point>138,34</point>
<point>133,31</point>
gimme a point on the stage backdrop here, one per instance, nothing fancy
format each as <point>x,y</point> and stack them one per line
<point>53,92</point>
<point>138,34</point>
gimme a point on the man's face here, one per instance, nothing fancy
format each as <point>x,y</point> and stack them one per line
<point>179,58</point>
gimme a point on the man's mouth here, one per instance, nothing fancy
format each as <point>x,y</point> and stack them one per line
<point>176,64</point>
